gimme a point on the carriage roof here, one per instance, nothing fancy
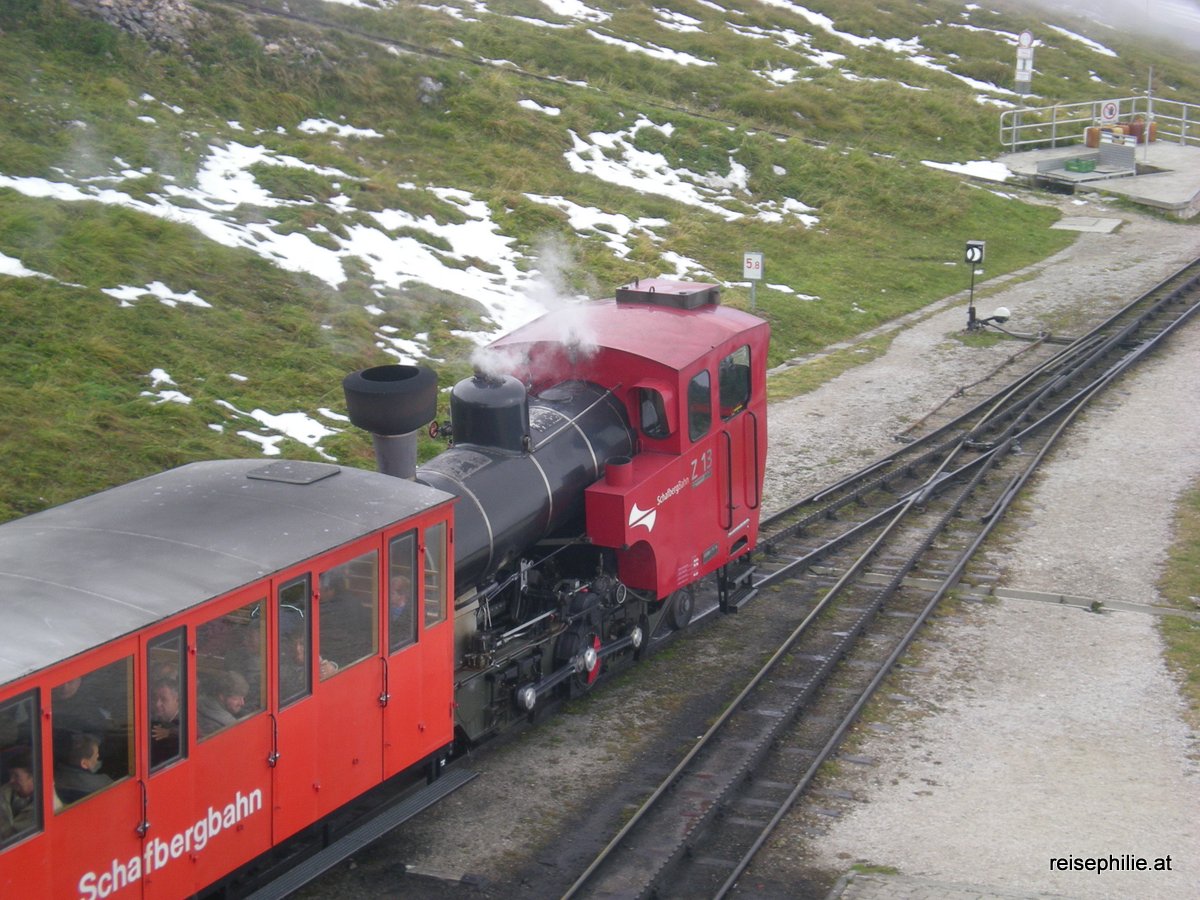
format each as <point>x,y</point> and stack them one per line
<point>95,569</point>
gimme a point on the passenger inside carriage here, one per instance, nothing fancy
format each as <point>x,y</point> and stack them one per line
<point>245,660</point>
<point>348,601</point>
<point>77,768</point>
<point>18,795</point>
<point>401,622</point>
<point>164,723</point>
<point>234,643</point>
<point>98,703</point>
<point>77,706</point>
<point>222,699</point>
<point>293,655</point>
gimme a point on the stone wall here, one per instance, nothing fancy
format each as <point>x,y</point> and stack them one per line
<point>157,21</point>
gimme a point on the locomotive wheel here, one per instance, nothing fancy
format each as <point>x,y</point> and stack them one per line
<point>644,650</point>
<point>682,605</point>
<point>581,682</point>
<point>595,673</point>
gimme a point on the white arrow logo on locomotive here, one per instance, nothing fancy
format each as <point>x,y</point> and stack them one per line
<point>643,517</point>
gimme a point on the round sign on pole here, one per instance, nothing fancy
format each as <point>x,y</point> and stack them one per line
<point>975,251</point>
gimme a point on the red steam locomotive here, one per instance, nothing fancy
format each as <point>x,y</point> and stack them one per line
<point>196,666</point>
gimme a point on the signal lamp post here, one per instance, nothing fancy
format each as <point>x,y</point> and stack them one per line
<point>974,257</point>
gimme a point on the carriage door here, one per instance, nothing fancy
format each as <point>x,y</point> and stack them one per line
<point>233,734</point>
<point>402,712</point>
<point>294,770</point>
<point>737,446</point>
<point>350,671</point>
<point>96,703</point>
<point>167,705</point>
<point>418,716</point>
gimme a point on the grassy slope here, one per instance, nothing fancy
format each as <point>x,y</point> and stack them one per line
<point>75,363</point>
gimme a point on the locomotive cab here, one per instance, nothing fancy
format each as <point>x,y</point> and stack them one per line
<point>691,374</point>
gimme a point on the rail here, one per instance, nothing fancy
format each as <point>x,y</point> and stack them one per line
<point>1064,124</point>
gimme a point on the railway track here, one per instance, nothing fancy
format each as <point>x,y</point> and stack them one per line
<point>850,556</point>
<point>988,420</point>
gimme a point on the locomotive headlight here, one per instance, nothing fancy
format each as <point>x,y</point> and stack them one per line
<point>635,637</point>
<point>527,697</point>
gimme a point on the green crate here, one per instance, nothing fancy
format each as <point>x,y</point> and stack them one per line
<point>1080,165</point>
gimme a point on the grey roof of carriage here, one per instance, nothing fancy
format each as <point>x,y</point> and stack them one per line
<point>95,569</point>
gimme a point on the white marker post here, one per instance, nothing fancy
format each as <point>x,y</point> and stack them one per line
<point>1024,75</point>
<point>752,271</point>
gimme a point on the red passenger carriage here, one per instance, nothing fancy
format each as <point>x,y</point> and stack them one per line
<point>279,572</point>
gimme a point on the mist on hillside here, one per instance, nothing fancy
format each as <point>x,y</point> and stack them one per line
<point>1178,20</point>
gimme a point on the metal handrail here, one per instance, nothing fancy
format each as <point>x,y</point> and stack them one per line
<point>1064,123</point>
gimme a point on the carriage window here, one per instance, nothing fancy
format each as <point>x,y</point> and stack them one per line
<point>166,672</point>
<point>229,669</point>
<point>92,722</point>
<point>699,406</point>
<point>733,382</point>
<point>435,574</point>
<point>295,642</point>
<point>402,591</point>
<point>653,414</point>
<point>349,613</point>
<point>20,773</point>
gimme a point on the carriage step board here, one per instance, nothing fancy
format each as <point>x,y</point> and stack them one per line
<point>321,862</point>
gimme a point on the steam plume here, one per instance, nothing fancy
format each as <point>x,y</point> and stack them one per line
<point>567,311</point>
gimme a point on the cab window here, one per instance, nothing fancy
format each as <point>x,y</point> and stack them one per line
<point>653,414</point>
<point>229,669</point>
<point>20,772</point>
<point>91,719</point>
<point>733,382</point>
<point>699,405</point>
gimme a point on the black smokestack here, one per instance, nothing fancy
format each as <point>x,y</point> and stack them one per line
<point>393,403</point>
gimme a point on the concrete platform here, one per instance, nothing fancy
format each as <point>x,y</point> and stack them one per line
<point>1168,175</point>
<point>1089,224</point>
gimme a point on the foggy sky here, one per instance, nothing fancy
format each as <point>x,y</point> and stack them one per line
<point>1178,20</point>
